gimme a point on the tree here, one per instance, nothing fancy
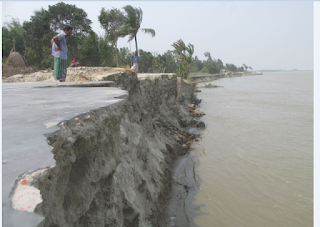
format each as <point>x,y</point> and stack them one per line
<point>240,69</point>
<point>13,37</point>
<point>231,67</point>
<point>184,54</point>
<point>209,64</point>
<point>245,67</point>
<point>196,65</point>
<point>169,62</point>
<point>124,56</point>
<point>44,24</point>
<point>205,69</point>
<point>89,50</point>
<point>62,14</point>
<point>146,61</point>
<point>132,22</point>
<point>219,64</point>
<point>105,52</point>
<point>38,35</point>
<point>112,22</point>
<point>208,55</point>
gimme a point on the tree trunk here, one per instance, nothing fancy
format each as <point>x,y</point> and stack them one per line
<point>135,38</point>
<point>116,53</point>
<point>130,53</point>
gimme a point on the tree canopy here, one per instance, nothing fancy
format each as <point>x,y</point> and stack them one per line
<point>112,21</point>
<point>13,37</point>
<point>32,40</point>
<point>132,22</point>
<point>184,55</point>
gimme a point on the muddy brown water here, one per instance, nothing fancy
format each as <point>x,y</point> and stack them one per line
<point>254,163</point>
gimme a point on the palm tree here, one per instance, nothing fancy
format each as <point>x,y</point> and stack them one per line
<point>132,22</point>
<point>245,67</point>
<point>184,54</point>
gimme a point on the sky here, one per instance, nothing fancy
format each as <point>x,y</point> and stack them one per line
<point>263,35</point>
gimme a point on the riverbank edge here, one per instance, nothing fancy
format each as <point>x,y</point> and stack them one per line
<point>113,165</point>
<point>185,165</point>
<point>208,78</point>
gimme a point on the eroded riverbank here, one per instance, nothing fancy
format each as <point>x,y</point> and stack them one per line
<point>113,165</point>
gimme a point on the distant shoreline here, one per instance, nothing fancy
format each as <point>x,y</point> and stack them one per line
<point>276,70</point>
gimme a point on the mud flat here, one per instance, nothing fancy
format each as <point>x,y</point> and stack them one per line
<point>113,165</point>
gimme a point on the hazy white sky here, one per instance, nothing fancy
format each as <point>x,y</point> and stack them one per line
<point>264,35</point>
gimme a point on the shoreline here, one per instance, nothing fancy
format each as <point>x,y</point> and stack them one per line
<point>209,77</point>
<point>122,154</point>
<point>198,197</point>
<point>154,117</point>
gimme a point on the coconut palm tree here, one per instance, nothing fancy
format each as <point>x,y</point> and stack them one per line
<point>132,22</point>
<point>245,67</point>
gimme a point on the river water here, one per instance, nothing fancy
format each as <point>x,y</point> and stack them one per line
<point>254,163</point>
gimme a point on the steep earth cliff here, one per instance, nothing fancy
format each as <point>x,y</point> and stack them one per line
<point>113,165</point>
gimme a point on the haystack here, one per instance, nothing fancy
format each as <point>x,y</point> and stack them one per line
<point>15,60</point>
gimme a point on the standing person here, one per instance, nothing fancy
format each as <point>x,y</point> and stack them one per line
<point>135,59</point>
<point>59,52</point>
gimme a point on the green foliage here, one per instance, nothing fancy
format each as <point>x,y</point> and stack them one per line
<point>37,37</point>
<point>170,62</point>
<point>112,21</point>
<point>105,52</point>
<point>240,69</point>
<point>214,66</point>
<point>205,69</point>
<point>231,67</point>
<point>245,67</point>
<point>13,37</point>
<point>124,56</point>
<point>208,55</point>
<point>89,50</point>
<point>62,14</point>
<point>194,68</point>
<point>132,22</point>
<point>44,24</point>
<point>146,61</point>
<point>184,55</point>
<point>32,40</point>
<point>196,65</point>
<point>157,63</point>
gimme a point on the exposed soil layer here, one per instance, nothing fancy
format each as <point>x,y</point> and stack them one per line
<point>114,164</point>
<point>73,74</point>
